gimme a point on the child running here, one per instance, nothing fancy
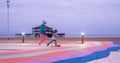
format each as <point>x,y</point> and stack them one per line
<point>53,39</point>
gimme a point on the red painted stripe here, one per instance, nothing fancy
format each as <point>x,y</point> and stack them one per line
<point>32,50</point>
<point>42,56</point>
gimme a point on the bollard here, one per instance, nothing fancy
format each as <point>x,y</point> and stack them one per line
<point>82,37</point>
<point>23,39</point>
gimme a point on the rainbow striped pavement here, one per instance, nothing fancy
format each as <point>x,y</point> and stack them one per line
<point>67,53</point>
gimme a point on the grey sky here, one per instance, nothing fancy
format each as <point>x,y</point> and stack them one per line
<point>69,16</point>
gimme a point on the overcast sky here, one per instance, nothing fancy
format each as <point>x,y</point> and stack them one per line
<point>68,16</point>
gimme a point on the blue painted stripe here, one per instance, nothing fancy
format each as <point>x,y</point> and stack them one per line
<point>117,43</point>
<point>91,57</point>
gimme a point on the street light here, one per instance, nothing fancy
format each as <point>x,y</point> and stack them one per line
<point>82,35</point>
<point>23,34</point>
<point>8,2</point>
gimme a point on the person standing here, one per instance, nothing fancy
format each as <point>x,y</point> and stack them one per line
<point>43,29</point>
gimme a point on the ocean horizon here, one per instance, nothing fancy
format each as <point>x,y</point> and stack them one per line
<point>66,35</point>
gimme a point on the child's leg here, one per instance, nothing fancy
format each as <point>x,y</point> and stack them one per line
<point>44,37</point>
<point>41,38</point>
<point>50,42</point>
<point>55,42</point>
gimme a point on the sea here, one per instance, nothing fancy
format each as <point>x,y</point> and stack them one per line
<point>66,35</point>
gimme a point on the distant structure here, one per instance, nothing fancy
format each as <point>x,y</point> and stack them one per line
<point>36,30</point>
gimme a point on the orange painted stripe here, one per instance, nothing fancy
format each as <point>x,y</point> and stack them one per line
<point>45,55</point>
<point>42,56</point>
<point>32,50</point>
<point>35,57</point>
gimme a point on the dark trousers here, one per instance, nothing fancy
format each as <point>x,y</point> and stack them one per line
<point>53,40</point>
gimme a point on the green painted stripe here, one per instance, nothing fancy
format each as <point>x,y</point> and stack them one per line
<point>97,43</point>
<point>36,53</point>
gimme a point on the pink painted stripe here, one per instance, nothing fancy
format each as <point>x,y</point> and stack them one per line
<point>30,51</point>
<point>78,53</point>
<point>90,43</point>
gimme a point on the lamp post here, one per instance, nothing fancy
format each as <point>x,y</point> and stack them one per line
<point>23,34</point>
<point>8,2</point>
<point>82,37</point>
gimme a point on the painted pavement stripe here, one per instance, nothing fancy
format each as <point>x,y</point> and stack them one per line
<point>35,53</point>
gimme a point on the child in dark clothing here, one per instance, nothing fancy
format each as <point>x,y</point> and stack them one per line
<point>53,39</point>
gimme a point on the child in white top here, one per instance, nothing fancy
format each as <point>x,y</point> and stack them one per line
<point>53,39</point>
